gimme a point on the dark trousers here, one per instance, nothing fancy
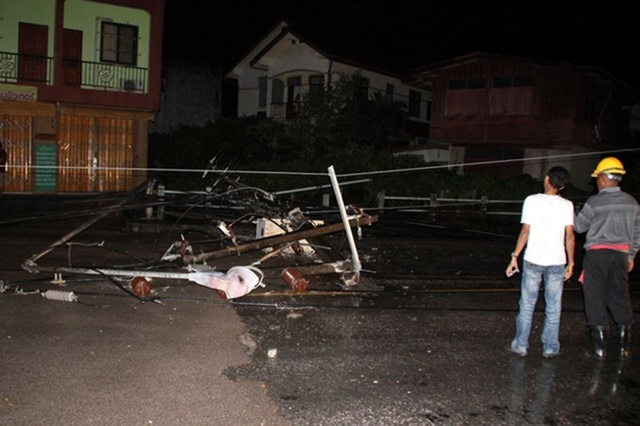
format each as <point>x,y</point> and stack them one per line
<point>606,286</point>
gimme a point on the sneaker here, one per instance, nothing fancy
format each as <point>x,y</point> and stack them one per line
<point>550,354</point>
<point>521,353</point>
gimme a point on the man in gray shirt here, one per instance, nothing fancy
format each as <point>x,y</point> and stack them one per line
<point>611,219</point>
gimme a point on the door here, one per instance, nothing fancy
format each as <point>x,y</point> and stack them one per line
<point>72,57</point>
<point>294,87</point>
<point>32,53</point>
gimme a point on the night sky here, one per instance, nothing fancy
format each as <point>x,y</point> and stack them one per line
<point>603,34</point>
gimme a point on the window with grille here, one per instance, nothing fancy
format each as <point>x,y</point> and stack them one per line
<point>316,84</point>
<point>277,91</point>
<point>119,43</point>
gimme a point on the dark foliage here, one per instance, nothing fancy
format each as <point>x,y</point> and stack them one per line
<point>338,127</point>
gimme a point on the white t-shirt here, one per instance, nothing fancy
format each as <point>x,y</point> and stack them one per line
<point>547,216</point>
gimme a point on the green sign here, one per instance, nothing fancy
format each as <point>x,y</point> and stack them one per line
<point>46,162</point>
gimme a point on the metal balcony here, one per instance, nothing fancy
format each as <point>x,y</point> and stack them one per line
<point>30,69</point>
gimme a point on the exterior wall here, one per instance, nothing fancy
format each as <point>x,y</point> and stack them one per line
<point>63,137</point>
<point>378,83</point>
<point>248,90</point>
<point>290,54</point>
<point>40,12</point>
<point>291,57</point>
<point>560,108</point>
<point>248,93</point>
<point>191,96</point>
<point>86,16</point>
<point>429,155</point>
<point>247,75</point>
<point>538,161</point>
<point>555,115</point>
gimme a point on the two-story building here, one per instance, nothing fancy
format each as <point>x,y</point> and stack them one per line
<point>288,62</point>
<point>523,115</point>
<point>79,82</point>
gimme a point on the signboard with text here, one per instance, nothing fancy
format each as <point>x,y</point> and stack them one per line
<point>14,92</point>
<point>46,163</point>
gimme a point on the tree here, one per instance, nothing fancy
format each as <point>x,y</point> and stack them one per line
<point>343,119</point>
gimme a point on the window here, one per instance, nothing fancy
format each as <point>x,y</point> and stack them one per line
<point>316,84</point>
<point>277,91</point>
<point>457,84</point>
<point>119,43</point>
<point>362,84</point>
<point>472,83</point>
<point>522,81</point>
<point>511,95</point>
<point>502,82</point>
<point>414,103</point>
<point>475,83</point>
<point>517,81</point>
<point>390,92</point>
<point>277,98</point>
<point>262,92</point>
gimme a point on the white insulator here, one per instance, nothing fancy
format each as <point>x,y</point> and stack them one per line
<point>59,295</point>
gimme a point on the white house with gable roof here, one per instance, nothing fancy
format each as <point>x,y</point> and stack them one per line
<point>284,65</point>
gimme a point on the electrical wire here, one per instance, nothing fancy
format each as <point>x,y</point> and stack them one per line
<point>379,172</point>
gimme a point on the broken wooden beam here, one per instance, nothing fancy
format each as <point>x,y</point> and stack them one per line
<point>278,240</point>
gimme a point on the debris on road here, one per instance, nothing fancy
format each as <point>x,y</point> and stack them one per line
<point>298,248</point>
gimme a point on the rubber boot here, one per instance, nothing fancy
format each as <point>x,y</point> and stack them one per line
<point>624,333</point>
<point>598,341</point>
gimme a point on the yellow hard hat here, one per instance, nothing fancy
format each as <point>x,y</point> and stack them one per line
<point>609,165</point>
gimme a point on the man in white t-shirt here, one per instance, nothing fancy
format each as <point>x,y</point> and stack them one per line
<point>547,233</point>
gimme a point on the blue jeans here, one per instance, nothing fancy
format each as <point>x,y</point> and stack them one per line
<point>532,276</point>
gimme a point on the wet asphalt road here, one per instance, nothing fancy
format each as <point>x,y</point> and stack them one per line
<point>420,341</point>
<point>444,362</point>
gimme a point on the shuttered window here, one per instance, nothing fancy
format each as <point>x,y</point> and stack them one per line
<point>15,133</point>
<point>95,154</point>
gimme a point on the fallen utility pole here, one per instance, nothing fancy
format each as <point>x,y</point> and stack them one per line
<point>31,262</point>
<point>236,282</point>
<point>343,213</point>
<point>278,239</point>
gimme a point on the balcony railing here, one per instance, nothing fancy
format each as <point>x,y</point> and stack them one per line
<point>17,68</point>
<point>26,68</point>
<point>105,76</point>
